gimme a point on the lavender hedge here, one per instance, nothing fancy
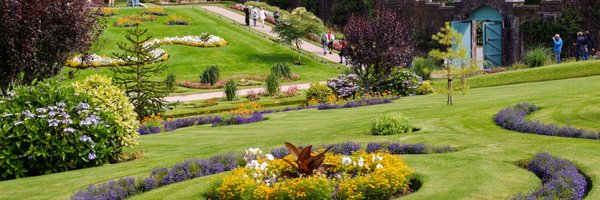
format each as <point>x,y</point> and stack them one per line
<point>352,104</point>
<point>560,179</point>
<point>513,118</point>
<point>175,124</point>
<point>129,186</point>
<point>190,169</point>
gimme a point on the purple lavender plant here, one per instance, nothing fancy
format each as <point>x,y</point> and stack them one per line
<point>373,147</point>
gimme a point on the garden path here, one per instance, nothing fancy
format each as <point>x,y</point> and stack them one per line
<point>306,46</point>
<point>221,94</point>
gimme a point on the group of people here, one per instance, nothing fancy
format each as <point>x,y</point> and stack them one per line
<point>585,45</point>
<point>327,40</point>
<point>258,14</point>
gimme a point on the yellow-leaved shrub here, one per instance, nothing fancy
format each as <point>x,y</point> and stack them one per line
<point>112,99</point>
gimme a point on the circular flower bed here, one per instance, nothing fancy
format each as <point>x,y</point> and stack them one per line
<point>94,60</point>
<point>333,176</point>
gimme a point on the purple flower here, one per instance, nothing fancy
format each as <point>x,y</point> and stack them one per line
<point>18,123</point>
<point>91,156</point>
<point>53,122</point>
<point>83,106</point>
<point>70,130</point>
<point>61,104</point>
<point>373,147</point>
<point>85,138</point>
<point>28,114</point>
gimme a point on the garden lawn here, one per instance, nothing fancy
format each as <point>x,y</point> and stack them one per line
<point>246,53</point>
<point>544,73</point>
<point>483,168</point>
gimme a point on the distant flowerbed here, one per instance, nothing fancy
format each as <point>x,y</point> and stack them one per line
<point>178,20</point>
<point>94,60</point>
<point>348,155</point>
<point>358,103</point>
<point>242,80</point>
<point>513,118</point>
<point>560,179</point>
<point>214,121</point>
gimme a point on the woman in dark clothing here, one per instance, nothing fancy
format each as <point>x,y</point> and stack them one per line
<point>247,13</point>
<point>344,50</point>
<point>591,43</point>
<point>581,45</point>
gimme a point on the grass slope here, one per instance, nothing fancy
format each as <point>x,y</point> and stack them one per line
<point>246,54</point>
<point>483,169</point>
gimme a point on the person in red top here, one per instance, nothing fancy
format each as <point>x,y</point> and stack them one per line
<point>344,51</point>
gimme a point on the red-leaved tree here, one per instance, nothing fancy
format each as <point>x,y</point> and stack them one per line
<point>379,45</point>
<point>37,37</point>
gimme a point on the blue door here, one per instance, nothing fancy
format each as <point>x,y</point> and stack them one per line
<point>492,44</point>
<point>464,28</point>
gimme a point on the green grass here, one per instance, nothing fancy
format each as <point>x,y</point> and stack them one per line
<point>483,169</point>
<point>246,54</point>
<point>545,73</point>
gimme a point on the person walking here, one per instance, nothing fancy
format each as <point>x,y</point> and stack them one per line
<point>276,17</point>
<point>254,15</point>
<point>330,40</point>
<point>111,3</point>
<point>262,15</point>
<point>324,42</point>
<point>247,15</point>
<point>344,51</point>
<point>591,43</point>
<point>581,45</point>
<point>558,43</point>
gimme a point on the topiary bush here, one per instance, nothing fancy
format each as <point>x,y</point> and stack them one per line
<point>318,92</point>
<point>112,99</point>
<point>536,57</point>
<point>210,75</point>
<point>230,90</point>
<point>272,84</point>
<point>49,127</point>
<point>281,70</point>
<point>391,123</point>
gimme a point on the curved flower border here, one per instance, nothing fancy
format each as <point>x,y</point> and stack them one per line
<point>513,118</point>
<point>95,60</point>
<point>129,186</point>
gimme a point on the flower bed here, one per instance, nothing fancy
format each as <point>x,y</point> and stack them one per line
<point>243,80</point>
<point>190,169</point>
<point>158,11</point>
<point>214,121</point>
<point>560,179</point>
<point>127,21</point>
<point>513,118</point>
<point>358,176</point>
<point>94,60</point>
<point>108,12</point>
<point>359,103</point>
<point>349,148</point>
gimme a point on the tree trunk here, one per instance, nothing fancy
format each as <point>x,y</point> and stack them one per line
<point>463,78</point>
<point>299,50</point>
<point>449,86</point>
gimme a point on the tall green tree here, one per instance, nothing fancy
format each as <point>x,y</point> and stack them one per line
<point>454,50</point>
<point>144,92</point>
<point>296,25</point>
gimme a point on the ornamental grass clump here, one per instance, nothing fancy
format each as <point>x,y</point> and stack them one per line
<point>560,179</point>
<point>536,57</point>
<point>231,90</point>
<point>281,70</point>
<point>272,85</point>
<point>390,124</point>
<point>210,75</point>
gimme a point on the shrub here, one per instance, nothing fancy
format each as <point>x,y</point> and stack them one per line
<point>112,99</point>
<point>291,91</point>
<point>230,90</point>
<point>210,102</point>
<point>425,88</point>
<point>281,70</point>
<point>401,82</point>
<point>344,86</point>
<point>392,123</point>
<point>253,95</point>
<point>318,92</point>
<point>272,85</point>
<point>171,81</point>
<point>49,127</point>
<point>536,57</point>
<point>210,75</point>
<point>424,66</point>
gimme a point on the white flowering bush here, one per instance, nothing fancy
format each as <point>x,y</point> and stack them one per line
<point>94,60</point>
<point>49,127</point>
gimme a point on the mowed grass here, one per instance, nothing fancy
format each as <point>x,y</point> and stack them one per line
<point>246,53</point>
<point>544,73</point>
<point>483,168</point>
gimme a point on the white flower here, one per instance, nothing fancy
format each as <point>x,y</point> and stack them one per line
<point>253,164</point>
<point>361,162</point>
<point>375,158</point>
<point>346,160</point>
<point>379,166</point>
<point>263,166</point>
<point>253,151</point>
<point>270,157</point>
<point>380,158</point>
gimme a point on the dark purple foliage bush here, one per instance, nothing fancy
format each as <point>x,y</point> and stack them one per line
<point>513,118</point>
<point>560,179</point>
